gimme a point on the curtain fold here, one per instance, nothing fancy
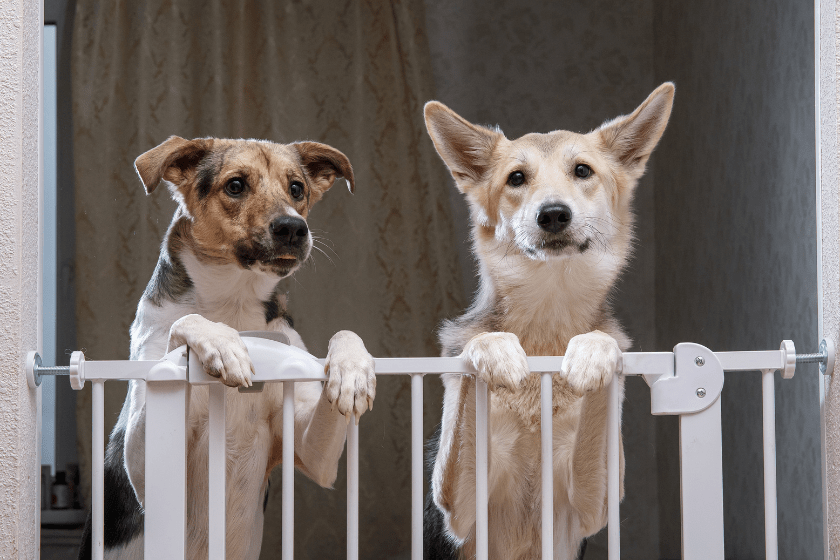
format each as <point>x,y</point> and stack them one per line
<point>351,74</point>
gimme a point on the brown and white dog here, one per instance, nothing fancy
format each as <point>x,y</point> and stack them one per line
<point>239,228</point>
<point>552,229</point>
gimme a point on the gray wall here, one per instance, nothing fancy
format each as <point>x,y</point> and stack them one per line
<point>736,245</point>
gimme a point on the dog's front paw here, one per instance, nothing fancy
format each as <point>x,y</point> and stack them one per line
<point>498,358</point>
<point>218,347</point>
<point>351,386</point>
<point>591,361</point>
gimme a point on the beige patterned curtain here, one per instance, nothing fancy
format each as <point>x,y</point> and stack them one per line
<point>353,74</point>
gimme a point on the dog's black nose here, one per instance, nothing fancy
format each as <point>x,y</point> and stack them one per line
<point>554,218</point>
<point>289,230</point>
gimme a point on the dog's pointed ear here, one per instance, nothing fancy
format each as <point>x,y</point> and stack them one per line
<point>324,164</point>
<point>170,161</point>
<point>465,148</point>
<point>632,138</point>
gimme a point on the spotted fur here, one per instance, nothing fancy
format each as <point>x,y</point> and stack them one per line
<point>218,273</point>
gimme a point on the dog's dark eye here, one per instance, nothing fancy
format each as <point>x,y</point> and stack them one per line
<point>235,187</point>
<point>582,170</point>
<point>516,179</point>
<point>296,190</point>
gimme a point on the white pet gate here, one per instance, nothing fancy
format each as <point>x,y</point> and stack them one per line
<point>686,382</point>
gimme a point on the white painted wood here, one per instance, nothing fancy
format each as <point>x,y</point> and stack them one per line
<point>352,491</point>
<point>547,464</point>
<point>417,466</point>
<point>771,536</point>
<point>701,484</point>
<point>288,469</point>
<point>165,521</point>
<point>217,471</point>
<point>98,471</point>
<point>482,416</point>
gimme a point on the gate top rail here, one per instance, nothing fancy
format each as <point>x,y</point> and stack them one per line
<point>276,361</point>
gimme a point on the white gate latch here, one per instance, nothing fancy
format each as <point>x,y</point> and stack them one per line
<point>695,385</point>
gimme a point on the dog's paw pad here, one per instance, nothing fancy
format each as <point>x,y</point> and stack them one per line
<point>498,358</point>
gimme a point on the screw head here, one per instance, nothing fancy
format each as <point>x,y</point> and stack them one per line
<point>699,360</point>
<point>701,392</point>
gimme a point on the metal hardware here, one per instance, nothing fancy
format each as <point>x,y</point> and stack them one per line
<point>699,360</point>
<point>34,369</point>
<point>825,357</point>
<point>680,391</point>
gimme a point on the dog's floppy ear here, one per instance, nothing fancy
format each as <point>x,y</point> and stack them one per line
<point>465,148</point>
<point>170,161</point>
<point>632,138</point>
<point>324,164</point>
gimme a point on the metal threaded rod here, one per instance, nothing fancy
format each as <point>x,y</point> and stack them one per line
<point>52,370</point>
<point>811,358</point>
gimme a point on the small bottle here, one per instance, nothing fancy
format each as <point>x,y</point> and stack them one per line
<point>60,492</point>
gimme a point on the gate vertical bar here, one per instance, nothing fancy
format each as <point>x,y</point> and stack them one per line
<point>613,470</point>
<point>771,538</point>
<point>701,484</point>
<point>217,457</point>
<point>546,437</point>
<point>98,471</point>
<point>352,491</point>
<point>482,418</point>
<point>288,500</point>
<point>165,520</point>
<point>417,466</point>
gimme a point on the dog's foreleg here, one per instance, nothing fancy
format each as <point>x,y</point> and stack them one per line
<point>135,441</point>
<point>588,481</point>
<point>453,485</point>
<point>499,361</point>
<point>322,414</point>
<point>590,365</point>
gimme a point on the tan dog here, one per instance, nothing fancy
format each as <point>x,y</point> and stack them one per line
<point>239,228</point>
<point>552,229</point>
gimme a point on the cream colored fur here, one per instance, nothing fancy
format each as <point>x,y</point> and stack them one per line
<point>541,293</point>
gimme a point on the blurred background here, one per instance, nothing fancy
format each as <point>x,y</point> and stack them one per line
<point>726,252</point>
